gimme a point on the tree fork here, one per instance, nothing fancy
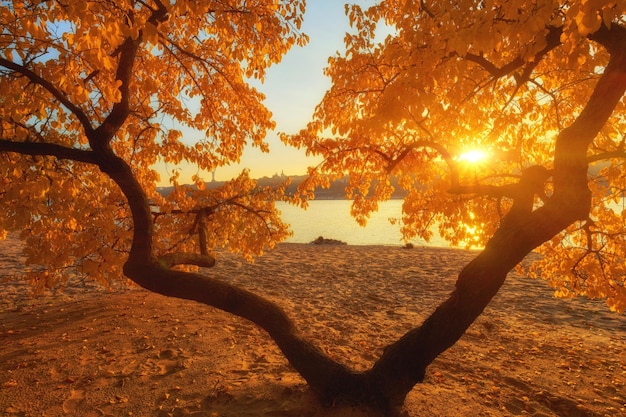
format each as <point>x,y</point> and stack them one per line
<point>403,364</point>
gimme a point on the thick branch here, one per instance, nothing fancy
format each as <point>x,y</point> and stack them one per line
<point>403,364</point>
<point>61,152</point>
<point>115,167</point>
<point>570,162</point>
<point>182,258</point>
<point>120,110</point>
<point>124,73</point>
<point>553,39</point>
<point>321,372</point>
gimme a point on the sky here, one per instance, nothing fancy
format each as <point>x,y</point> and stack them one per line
<point>293,88</point>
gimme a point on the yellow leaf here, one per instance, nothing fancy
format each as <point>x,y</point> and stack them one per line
<point>150,34</point>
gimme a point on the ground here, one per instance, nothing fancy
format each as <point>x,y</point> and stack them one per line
<point>126,352</point>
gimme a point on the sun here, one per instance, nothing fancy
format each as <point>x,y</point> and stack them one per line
<point>473,156</point>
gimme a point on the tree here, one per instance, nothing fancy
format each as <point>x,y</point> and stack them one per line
<point>94,92</point>
<point>537,85</point>
<point>540,85</point>
<point>89,90</point>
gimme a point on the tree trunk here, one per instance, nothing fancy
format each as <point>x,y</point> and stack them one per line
<point>403,364</point>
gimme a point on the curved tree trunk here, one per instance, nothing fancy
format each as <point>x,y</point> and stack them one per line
<point>404,363</point>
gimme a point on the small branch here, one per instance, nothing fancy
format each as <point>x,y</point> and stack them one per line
<point>201,226</point>
<point>497,191</point>
<point>426,9</point>
<point>454,173</point>
<point>607,155</point>
<point>553,39</point>
<point>494,71</point>
<point>555,101</point>
<point>48,86</point>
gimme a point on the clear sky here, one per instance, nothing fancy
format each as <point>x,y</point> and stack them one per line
<point>293,88</point>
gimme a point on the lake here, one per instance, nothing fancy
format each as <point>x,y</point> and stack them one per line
<point>332,220</point>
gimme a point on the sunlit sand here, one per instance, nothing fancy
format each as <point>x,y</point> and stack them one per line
<point>89,352</point>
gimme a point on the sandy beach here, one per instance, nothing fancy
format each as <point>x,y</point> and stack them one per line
<point>126,352</point>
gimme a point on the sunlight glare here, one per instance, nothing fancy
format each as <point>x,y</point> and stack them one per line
<point>473,156</point>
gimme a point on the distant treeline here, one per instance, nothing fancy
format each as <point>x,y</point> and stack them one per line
<point>337,190</point>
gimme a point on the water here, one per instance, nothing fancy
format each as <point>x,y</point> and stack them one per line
<point>332,220</point>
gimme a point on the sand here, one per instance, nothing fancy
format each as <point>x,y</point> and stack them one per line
<point>127,352</point>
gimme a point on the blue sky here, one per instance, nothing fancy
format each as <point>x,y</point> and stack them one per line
<point>293,88</point>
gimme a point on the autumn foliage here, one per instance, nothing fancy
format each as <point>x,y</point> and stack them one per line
<point>66,75</point>
<point>95,94</point>
<point>503,77</point>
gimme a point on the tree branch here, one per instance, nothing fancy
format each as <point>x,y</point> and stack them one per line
<point>454,172</point>
<point>403,364</point>
<point>58,151</point>
<point>183,258</point>
<point>124,73</point>
<point>324,374</point>
<point>606,155</point>
<point>553,39</point>
<point>497,191</point>
<point>48,86</point>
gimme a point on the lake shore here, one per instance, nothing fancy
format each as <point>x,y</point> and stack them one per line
<point>94,352</point>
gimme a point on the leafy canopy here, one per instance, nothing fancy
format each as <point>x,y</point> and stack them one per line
<point>65,73</point>
<point>500,77</point>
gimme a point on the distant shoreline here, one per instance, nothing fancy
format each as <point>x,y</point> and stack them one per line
<point>336,191</point>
